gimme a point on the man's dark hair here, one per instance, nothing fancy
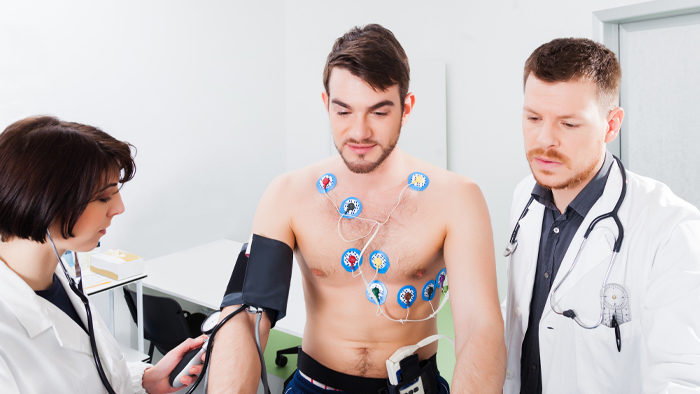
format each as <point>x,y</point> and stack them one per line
<point>575,59</point>
<point>51,170</point>
<point>373,54</point>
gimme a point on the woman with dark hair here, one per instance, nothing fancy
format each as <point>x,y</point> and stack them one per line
<point>59,190</point>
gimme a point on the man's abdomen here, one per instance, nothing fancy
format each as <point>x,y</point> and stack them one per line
<point>344,333</point>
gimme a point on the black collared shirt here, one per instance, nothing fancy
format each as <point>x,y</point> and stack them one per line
<point>57,295</point>
<point>558,230</point>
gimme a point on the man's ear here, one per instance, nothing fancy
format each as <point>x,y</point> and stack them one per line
<point>408,104</point>
<point>615,117</point>
<point>324,96</point>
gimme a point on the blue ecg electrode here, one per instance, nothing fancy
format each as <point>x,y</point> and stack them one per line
<point>379,259</point>
<point>440,279</point>
<point>326,183</point>
<point>351,260</point>
<point>418,181</point>
<point>429,291</point>
<point>378,289</point>
<point>350,208</point>
<point>406,296</point>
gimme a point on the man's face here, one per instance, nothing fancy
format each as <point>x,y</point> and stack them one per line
<point>365,123</point>
<point>565,131</point>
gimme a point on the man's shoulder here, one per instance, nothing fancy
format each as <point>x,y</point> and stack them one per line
<point>297,181</point>
<point>521,196</point>
<point>446,184</point>
<point>525,185</point>
<point>445,178</point>
<point>524,188</point>
<point>439,177</point>
<point>451,195</point>
<point>658,198</point>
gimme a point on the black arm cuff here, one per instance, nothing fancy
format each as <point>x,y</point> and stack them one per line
<point>263,279</point>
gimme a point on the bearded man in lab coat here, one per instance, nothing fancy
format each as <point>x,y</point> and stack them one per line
<point>603,322</point>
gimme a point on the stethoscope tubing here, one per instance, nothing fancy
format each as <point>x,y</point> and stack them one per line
<point>616,249</point>
<point>88,312</point>
<point>210,347</point>
<point>570,312</point>
<point>514,235</point>
<point>212,334</point>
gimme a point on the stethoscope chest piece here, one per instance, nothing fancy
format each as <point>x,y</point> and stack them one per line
<point>510,249</point>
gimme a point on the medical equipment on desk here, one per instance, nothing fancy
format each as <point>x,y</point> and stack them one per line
<point>117,264</point>
<point>612,312</point>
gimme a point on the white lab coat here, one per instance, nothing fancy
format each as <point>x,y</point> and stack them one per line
<point>42,350</point>
<point>659,265</point>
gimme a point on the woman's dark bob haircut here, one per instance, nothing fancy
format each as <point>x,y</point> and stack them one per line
<point>51,170</point>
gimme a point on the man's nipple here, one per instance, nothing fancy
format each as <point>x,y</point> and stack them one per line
<point>316,272</point>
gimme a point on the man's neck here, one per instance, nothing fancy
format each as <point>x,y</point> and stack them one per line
<point>35,263</point>
<point>564,197</point>
<point>382,177</point>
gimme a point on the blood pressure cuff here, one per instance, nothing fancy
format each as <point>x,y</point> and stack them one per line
<point>262,278</point>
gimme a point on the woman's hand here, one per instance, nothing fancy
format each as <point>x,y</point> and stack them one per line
<point>156,379</point>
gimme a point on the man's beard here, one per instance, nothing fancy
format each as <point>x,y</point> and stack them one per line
<point>363,166</point>
<point>575,180</point>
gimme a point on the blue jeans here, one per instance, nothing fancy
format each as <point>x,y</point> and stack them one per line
<point>299,385</point>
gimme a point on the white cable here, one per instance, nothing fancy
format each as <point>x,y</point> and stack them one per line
<point>380,310</point>
<point>263,370</point>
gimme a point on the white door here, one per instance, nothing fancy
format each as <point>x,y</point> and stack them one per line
<point>660,61</point>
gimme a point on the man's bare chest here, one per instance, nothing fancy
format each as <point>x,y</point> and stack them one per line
<point>398,239</point>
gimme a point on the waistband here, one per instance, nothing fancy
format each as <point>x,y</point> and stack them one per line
<point>349,383</point>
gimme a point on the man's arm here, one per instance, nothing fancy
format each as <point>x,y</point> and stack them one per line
<point>471,272</point>
<point>235,364</point>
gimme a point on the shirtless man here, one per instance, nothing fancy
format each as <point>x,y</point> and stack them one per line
<point>445,225</point>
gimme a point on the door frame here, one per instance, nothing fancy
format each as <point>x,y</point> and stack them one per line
<point>606,30</point>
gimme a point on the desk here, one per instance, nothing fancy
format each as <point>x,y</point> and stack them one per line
<point>201,274</point>
<point>93,286</point>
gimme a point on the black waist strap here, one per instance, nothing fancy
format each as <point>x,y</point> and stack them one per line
<point>348,383</point>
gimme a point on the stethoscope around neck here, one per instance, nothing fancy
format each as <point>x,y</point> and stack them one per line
<point>513,245</point>
<point>77,288</point>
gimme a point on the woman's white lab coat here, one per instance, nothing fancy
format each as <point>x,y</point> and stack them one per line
<point>42,350</point>
<point>659,266</point>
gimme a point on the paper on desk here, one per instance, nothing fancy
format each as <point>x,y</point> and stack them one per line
<point>93,280</point>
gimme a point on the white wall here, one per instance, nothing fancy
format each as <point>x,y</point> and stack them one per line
<point>220,96</point>
<point>484,45</point>
<point>196,87</point>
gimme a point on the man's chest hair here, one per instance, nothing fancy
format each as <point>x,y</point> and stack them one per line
<point>408,238</point>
